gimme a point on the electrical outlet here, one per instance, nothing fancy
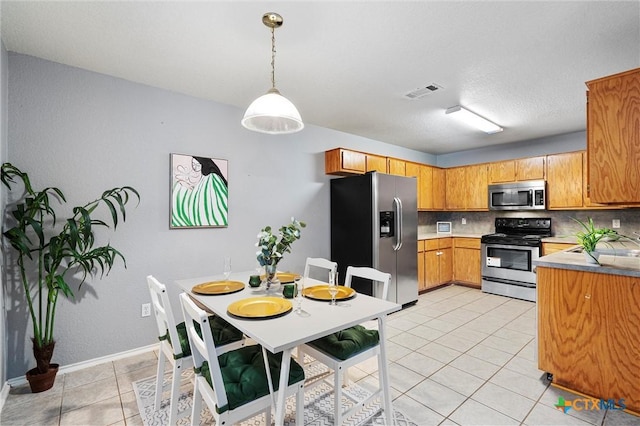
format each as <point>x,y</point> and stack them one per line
<point>615,223</point>
<point>464,221</point>
<point>146,310</point>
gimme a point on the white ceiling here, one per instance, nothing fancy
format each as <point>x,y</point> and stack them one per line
<point>348,65</point>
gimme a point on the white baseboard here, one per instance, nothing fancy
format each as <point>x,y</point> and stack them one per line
<point>21,380</point>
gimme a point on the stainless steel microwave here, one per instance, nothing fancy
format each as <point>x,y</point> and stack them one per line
<point>527,195</point>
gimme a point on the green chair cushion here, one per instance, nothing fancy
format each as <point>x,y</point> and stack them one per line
<point>346,343</point>
<point>244,375</point>
<point>222,332</point>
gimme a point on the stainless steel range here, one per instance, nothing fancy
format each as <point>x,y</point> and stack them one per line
<point>508,255</point>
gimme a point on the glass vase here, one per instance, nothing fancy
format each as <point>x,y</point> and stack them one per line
<point>271,281</point>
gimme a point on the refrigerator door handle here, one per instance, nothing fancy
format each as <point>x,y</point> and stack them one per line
<point>397,204</point>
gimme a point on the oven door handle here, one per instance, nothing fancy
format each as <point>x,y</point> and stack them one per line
<point>397,205</point>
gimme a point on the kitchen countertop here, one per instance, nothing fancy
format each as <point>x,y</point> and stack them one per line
<point>433,235</point>
<point>609,264</point>
<point>571,239</point>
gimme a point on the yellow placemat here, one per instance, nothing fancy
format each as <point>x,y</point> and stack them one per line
<point>260,307</point>
<point>218,287</point>
<point>284,277</point>
<point>321,292</point>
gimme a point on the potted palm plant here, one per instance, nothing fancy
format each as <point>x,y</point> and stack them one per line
<point>47,253</point>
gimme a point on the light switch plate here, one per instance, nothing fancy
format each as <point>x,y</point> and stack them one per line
<point>615,223</point>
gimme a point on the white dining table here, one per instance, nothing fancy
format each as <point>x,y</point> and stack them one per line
<point>284,333</point>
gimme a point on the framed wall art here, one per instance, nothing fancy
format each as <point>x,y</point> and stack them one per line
<point>199,192</point>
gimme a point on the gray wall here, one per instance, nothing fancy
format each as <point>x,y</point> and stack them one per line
<point>3,150</point>
<point>85,132</point>
<point>552,145</point>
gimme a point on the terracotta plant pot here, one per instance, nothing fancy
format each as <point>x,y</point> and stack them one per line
<point>42,382</point>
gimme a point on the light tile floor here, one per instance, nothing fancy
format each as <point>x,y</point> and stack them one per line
<point>459,356</point>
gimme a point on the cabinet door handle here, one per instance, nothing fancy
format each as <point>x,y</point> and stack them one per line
<point>438,253</point>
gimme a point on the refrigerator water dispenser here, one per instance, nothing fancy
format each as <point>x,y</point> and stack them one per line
<point>387,224</point>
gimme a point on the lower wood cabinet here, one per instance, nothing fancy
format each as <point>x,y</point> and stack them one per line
<point>466,261</point>
<point>443,260</point>
<point>588,328</point>
<point>548,248</point>
<point>436,260</point>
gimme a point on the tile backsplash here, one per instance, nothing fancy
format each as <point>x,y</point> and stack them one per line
<point>561,220</point>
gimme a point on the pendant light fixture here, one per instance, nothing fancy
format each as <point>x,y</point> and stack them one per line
<point>272,113</point>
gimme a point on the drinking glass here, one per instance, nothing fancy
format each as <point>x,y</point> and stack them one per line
<point>226,269</point>
<point>299,283</point>
<point>333,287</point>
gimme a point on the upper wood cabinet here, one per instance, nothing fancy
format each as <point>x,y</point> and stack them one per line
<point>438,180</point>
<point>477,191</point>
<point>455,191</point>
<point>431,191</point>
<point>587,202</point>
<point>613,138</point>
<point>344,162</point>
<point>531,168</point>
<point>564,180</point>
<point>466,188</point>
<point>567,182</point>
<point>502,171</point>
<point>376,163</point>
<point>423,187</point>
<point>396,167</point>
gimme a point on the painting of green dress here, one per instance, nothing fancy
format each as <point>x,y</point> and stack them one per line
<point>199,192</point>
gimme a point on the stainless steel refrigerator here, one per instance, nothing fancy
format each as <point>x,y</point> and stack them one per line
<point>374,222</point>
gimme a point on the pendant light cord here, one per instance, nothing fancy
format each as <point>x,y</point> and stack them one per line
<point>273,58</point>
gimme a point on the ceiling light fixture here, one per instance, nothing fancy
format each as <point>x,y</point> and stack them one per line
<point>473,119</point>
<point>272,113</point>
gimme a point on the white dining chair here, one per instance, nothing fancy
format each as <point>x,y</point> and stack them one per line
<point>319,268</point>
<point>174,344</point>
<point>351,346</point>
<point>235,385</point>
<point>314,265</point>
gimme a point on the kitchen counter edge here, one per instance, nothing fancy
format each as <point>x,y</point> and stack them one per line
<point>612,265</point>
<point>433,235</point>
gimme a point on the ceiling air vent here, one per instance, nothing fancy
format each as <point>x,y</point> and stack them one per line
<point>423,91</point>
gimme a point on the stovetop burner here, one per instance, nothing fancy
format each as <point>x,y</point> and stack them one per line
<point>519,231</point>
